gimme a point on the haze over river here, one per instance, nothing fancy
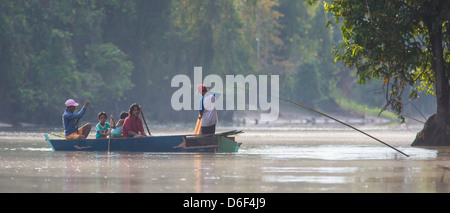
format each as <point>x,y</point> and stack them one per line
<point>269,160</point>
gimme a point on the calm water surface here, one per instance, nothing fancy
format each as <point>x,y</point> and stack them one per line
<point>268,161</point>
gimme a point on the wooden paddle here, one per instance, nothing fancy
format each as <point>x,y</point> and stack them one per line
<point>110,130</point>
<point>109,141</point>
<point>145,122</point>
<point>198,127</point>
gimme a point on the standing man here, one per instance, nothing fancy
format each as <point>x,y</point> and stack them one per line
<point>70,121</point>
<point>208,112</point>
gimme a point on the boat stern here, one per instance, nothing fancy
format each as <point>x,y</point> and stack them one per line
<point>227,145</point>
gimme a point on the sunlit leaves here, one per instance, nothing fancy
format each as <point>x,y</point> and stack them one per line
<point>388,40</point>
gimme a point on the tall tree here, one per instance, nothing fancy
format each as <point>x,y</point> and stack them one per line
<point>402,43</point>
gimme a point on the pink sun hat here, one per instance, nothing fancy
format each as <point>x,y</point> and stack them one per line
<point>201,88</point>
<point>71,102</point>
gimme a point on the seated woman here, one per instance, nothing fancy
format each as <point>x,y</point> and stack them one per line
<point>132,126</point>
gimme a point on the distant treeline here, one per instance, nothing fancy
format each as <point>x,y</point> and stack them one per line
<point>118,52</point>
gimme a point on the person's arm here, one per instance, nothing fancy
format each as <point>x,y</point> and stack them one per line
<point>125,127</point>
<point>112,122</point>
<point>200,113</point>
<point>97,128</point>
<point>71,116</point>
<point>103,134</point>
<point>141,128</point>
<point>79,114</point>
<point>83,110</point>
<point>216,95</point>
<point>132,133</point>
<point>108,129</point>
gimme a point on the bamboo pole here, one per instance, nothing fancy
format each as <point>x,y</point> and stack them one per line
<point>341,122</point>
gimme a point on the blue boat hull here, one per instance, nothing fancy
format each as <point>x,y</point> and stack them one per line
<point>175,143</point>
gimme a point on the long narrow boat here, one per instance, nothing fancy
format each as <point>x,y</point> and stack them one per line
<point>216,143</point>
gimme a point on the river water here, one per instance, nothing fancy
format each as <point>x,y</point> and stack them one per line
<point>269,161</point>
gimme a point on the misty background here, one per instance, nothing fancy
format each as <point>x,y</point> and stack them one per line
<point>118,52</point>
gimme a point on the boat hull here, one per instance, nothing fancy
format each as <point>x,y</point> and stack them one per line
<point>176,143</point>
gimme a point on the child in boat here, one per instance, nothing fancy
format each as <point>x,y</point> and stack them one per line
<point>103,127</point>
<point>117,132</point>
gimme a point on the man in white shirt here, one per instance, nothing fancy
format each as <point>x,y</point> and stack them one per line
<point>208,112</point>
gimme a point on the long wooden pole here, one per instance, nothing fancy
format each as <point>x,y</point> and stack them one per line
<point>289,101</point>
<point>145,122</point>
<point>109,142</point>
<point>341,122</point>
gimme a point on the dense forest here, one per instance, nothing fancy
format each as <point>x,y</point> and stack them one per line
<point>118,52</point>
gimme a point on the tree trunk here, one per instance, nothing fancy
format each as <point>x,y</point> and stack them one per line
<point>436,131</point>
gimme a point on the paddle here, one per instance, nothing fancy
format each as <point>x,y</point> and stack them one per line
<point>61,135</point>
<point>110,130</point>
<point>145,122</point>
<point>76,123</point>
<point>109,141</point>
<point>198,127</point>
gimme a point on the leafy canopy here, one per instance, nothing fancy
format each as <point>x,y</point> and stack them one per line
<point>389,40</point>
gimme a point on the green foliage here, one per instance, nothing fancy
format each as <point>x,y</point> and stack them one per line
<point>117,52</point>
<point>307,83</point>
<point>43,62</point>
<point>111,70</point>
<point>401,43</point>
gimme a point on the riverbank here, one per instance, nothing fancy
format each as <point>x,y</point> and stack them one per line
<point>290,116</point>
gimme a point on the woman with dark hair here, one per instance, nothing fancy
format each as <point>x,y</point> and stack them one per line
<point>132,126</point>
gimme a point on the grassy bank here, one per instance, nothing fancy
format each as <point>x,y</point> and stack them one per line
<point>362,109</point>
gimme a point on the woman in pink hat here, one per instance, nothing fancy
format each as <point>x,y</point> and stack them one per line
<point>70,121</point>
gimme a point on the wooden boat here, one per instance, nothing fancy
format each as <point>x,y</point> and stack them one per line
<point>216,143</point>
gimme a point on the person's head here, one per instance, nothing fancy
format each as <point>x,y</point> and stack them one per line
<point>123,115</point>
<point>134,110</point>
<point>71,105</point>
<point>202,89</point>
<point>102,117</point>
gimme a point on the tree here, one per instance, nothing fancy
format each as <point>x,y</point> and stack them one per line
<point>403,43</point>
<point>51,51</point>
<point>117,52</point>
<point>304,54</point>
